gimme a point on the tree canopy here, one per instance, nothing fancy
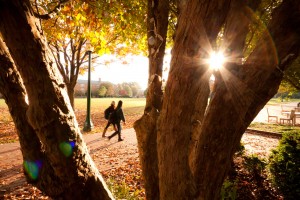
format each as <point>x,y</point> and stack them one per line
<point>108,27</point>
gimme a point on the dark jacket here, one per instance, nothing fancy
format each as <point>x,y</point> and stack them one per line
<point>119,115</point>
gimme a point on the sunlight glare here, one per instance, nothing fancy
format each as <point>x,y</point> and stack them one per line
<point>26,99</point>
<point>216,60</point>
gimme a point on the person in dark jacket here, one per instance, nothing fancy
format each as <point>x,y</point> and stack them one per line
<point>111,108</point>
<point>118,117</point>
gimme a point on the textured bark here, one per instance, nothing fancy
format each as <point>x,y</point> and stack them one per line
<point>237,27</point>
<point>13,91</point>
<point>186,95</point>
<point>157,24</point>
<point>235,32</point>
<point>146,135</point>
<point>241,93</point>
<point>49,111</point>
<point>195,142</point>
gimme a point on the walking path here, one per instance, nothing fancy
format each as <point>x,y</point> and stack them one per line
<point>107,154</point>
<point>111,154</point>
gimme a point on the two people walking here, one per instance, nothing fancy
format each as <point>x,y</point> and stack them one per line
<point>115,117</point>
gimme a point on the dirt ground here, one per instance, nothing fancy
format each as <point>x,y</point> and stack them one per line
<point>117,160</point>
<point>108,156</point>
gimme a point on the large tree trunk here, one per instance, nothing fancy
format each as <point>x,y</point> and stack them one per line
<point>235,32</point>
<point>13,91</point>
<point>196,142</point>
<point>186,95</point>
<point>157,25</point>
<point>241,92</point>
<point>49,111</point>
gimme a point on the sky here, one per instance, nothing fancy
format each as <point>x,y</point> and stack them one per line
<point>136,70</point>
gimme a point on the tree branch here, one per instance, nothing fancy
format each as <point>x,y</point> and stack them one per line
<point>290,81</point>
<point>57,59</point>
<point>55,10</point>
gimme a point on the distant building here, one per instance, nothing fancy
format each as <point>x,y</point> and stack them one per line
<point>81,87</point>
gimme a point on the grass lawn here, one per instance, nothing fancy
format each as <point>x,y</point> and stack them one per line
<point>277,101</point>
<point>276,128</point>
<point>103,103</point>
<point>131,106</point>
<point>133,109</point>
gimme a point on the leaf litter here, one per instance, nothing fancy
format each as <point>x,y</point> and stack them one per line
<point>118,164</point>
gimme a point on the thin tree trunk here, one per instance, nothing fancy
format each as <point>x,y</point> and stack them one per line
<point>70,89</point>
<point>157,19</point>
<point>237,27</point>
<point>49,112</point>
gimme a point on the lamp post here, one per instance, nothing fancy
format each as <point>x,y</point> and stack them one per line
<point>88,125</point>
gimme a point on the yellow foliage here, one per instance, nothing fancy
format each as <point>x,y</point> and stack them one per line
<point>66,8</point>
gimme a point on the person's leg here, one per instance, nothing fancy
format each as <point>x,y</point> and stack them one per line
<point>115,133</point>
<point>108,124</point>
<point>118,126</point>
<point>112,135</point>
<point>105,129</point>
<point>119,131</point>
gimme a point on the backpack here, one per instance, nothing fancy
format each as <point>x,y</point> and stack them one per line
<point>106,113</point>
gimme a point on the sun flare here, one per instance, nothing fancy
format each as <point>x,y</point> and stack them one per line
<point>216,60</point>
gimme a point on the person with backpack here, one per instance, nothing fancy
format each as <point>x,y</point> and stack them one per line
<point>107,114</point>
<point>116,118</point>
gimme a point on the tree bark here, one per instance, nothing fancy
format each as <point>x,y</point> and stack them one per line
<point>71,92</point>
<point>13,91</point>
<point>157,25</point>
<point>186,95</point>
<point>241,93</point>
<point>217,129</point>
<point>237,27</point>
<point>49,111</point>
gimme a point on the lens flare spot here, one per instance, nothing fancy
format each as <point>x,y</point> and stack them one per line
<point>67,148</point>
<point>72,144</point>
<point>32,168</point>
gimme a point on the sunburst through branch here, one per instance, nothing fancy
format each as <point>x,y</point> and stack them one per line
<point>216,60</point>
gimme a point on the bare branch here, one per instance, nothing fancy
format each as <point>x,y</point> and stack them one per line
<point>78,60</point>
<point>84,55</point>
<point>57,59</point>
